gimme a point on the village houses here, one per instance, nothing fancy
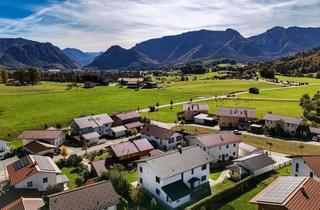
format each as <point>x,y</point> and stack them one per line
<point>161,137</point>
<point>282,124</point>
<point>172,176</point>
<point>222,146</point>
<point>234,117</point>
<point>306,165</point>
<point>191,110</point>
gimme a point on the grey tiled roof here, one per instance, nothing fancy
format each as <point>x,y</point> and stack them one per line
<point>284,118</point>
<point>236,112</point>
<point>93,121</point>
<point>256,161</point>
<point>172,163</point>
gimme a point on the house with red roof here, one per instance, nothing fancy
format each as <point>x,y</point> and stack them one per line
<point>36,172</point>
<point>220,146</point>
<point>306,165</point>
<point>125,118</point>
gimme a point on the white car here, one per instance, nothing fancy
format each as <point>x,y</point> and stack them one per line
<point>237,132</point>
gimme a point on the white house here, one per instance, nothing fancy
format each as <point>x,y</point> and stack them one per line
<point>100,195</point>
<point>306,165</point>
<point>254,164</point>
<point>4,149</point>
<point>171,177</point>
<point>36,172</point>
<point>164,138</point>
<point>283,123</point>
<point>96,123</point>
<point>53,137</point>
<point>220,146</point>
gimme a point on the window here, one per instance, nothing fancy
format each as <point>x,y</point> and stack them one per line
<point>179,138</point>
<point>204,167</point>
<point>192,171</point>
<point>204,178</point>
<point>157,179</point>
<point>141,181</point>
<point>45,180</point>
<point>311,174</point>
<point>297,167</point>
<point>234,153</point>
<point>227,146</point>
<point>157,191</point>
<point>234,145</point>
<point>171,140</point>
<point>29,184</point>
<point>219,147</point>
<point>182,176</point>
<point>141,169</point>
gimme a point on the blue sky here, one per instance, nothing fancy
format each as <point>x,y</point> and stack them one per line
<point>94,25</point>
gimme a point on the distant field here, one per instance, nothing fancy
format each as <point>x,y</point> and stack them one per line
<point>287,93</point>
<point>263,107</point>
<point>43,87</point>
<point>299,79</point>
<point>216,87</point>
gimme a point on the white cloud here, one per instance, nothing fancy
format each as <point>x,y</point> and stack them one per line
<point>98,24</point>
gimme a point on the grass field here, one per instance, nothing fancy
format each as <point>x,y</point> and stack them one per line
<point>299,79</point>
<point>288,93</point>
<point>263,107</point>
<point>49,103</point>
<point>242,202</point>
<point>71,173</point>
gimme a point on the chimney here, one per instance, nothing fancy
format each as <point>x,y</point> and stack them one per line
<point>303,191</point>
<point>179,149</point>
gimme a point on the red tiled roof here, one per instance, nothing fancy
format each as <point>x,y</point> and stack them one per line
<point>21,174</point>
<point>40,134</point>
<point>123,149</point>
<point>36,147</point>
<point>216,139</point>
<point>25,204</point>
<point>99,166</point>
<point>236,112</point>
<point>128,115</point>
<point>313,161</point>
<point>156,131</point>
<point>286,119</point>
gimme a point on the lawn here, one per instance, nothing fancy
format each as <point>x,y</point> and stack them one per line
<point>193,130</point>
<point>132,176</point>
<point>71,173</point>
<point>299,79</point>
<point>215,173</point>
<point>281,146</point>
<point>263,107</point>
<point>242,202</point>
<point>49,103</point>
<point>285,93</point>
<point>216,87</point>
<point>103,156</point>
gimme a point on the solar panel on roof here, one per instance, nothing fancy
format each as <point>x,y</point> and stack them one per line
<point>21,163</point>
<point>281,190</point>
<point>44,163</point>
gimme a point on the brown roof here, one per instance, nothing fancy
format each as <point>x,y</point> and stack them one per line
<point>236,112</point>
<point>302,195</point>
<point>40,134</point>
<point>137,124</point>
<point>156,131</point>
<point>100,195</point>
<point>99,166</point>
<point>25,204</point>
<point>216,139</point>
<point>314,130</point>
<point>195,107</point>
<point>128,115</point>
<point>313,161</point>
<point>23,173</point>
<point>127,148</point>
<point>14,197</point>
<point>143,145</point>
<point>37,146</point>
<point>286,119</point>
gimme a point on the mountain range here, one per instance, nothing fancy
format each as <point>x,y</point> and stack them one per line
<point>166,51</point>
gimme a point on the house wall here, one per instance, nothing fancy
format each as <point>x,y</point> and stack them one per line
<point>118,134</point>
<point>164,144</point>
<point>199,121</point>
<point>233,122</point>
<point>149,182</point>
<point>288,128</point>
<point>188,115</point>
<point>93,141</point>
<point>112,207</point>
<point>303,169</point>
<point>218,152</point>
<point>102,130</point>
<point>263,170</point>
<point>37,181</point>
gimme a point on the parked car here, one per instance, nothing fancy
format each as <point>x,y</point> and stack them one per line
<point>237,132</point>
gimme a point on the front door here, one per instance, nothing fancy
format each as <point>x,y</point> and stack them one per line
<point>223,158</point>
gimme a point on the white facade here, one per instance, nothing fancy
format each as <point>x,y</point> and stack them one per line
<point>300,168</point>
<point>287,127</point>
<point>4,149</point>
<point>57,142</point>
<point>219,153</point>
<point>164,143</point>
<point>40,181</point>
<point>147,178</point>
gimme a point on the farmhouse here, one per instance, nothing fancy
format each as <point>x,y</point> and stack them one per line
<point>131,82</point>
<point>282,124</point>
<point>100,195</point>
<point>4,149</point>
<point>234,117</point>
<point>254,164</point>
<point>125,118</point>
<point>290,193</point>
<point>222,146</point>
<point>173,176</point>
<point>162,137</point>
<point>53,137</point>
<point>191,110</point>
<point>306,165</point>
<point>96,123</point>
<point>36,172</point>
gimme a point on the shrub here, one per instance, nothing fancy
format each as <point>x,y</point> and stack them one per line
<point>254,90</point>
